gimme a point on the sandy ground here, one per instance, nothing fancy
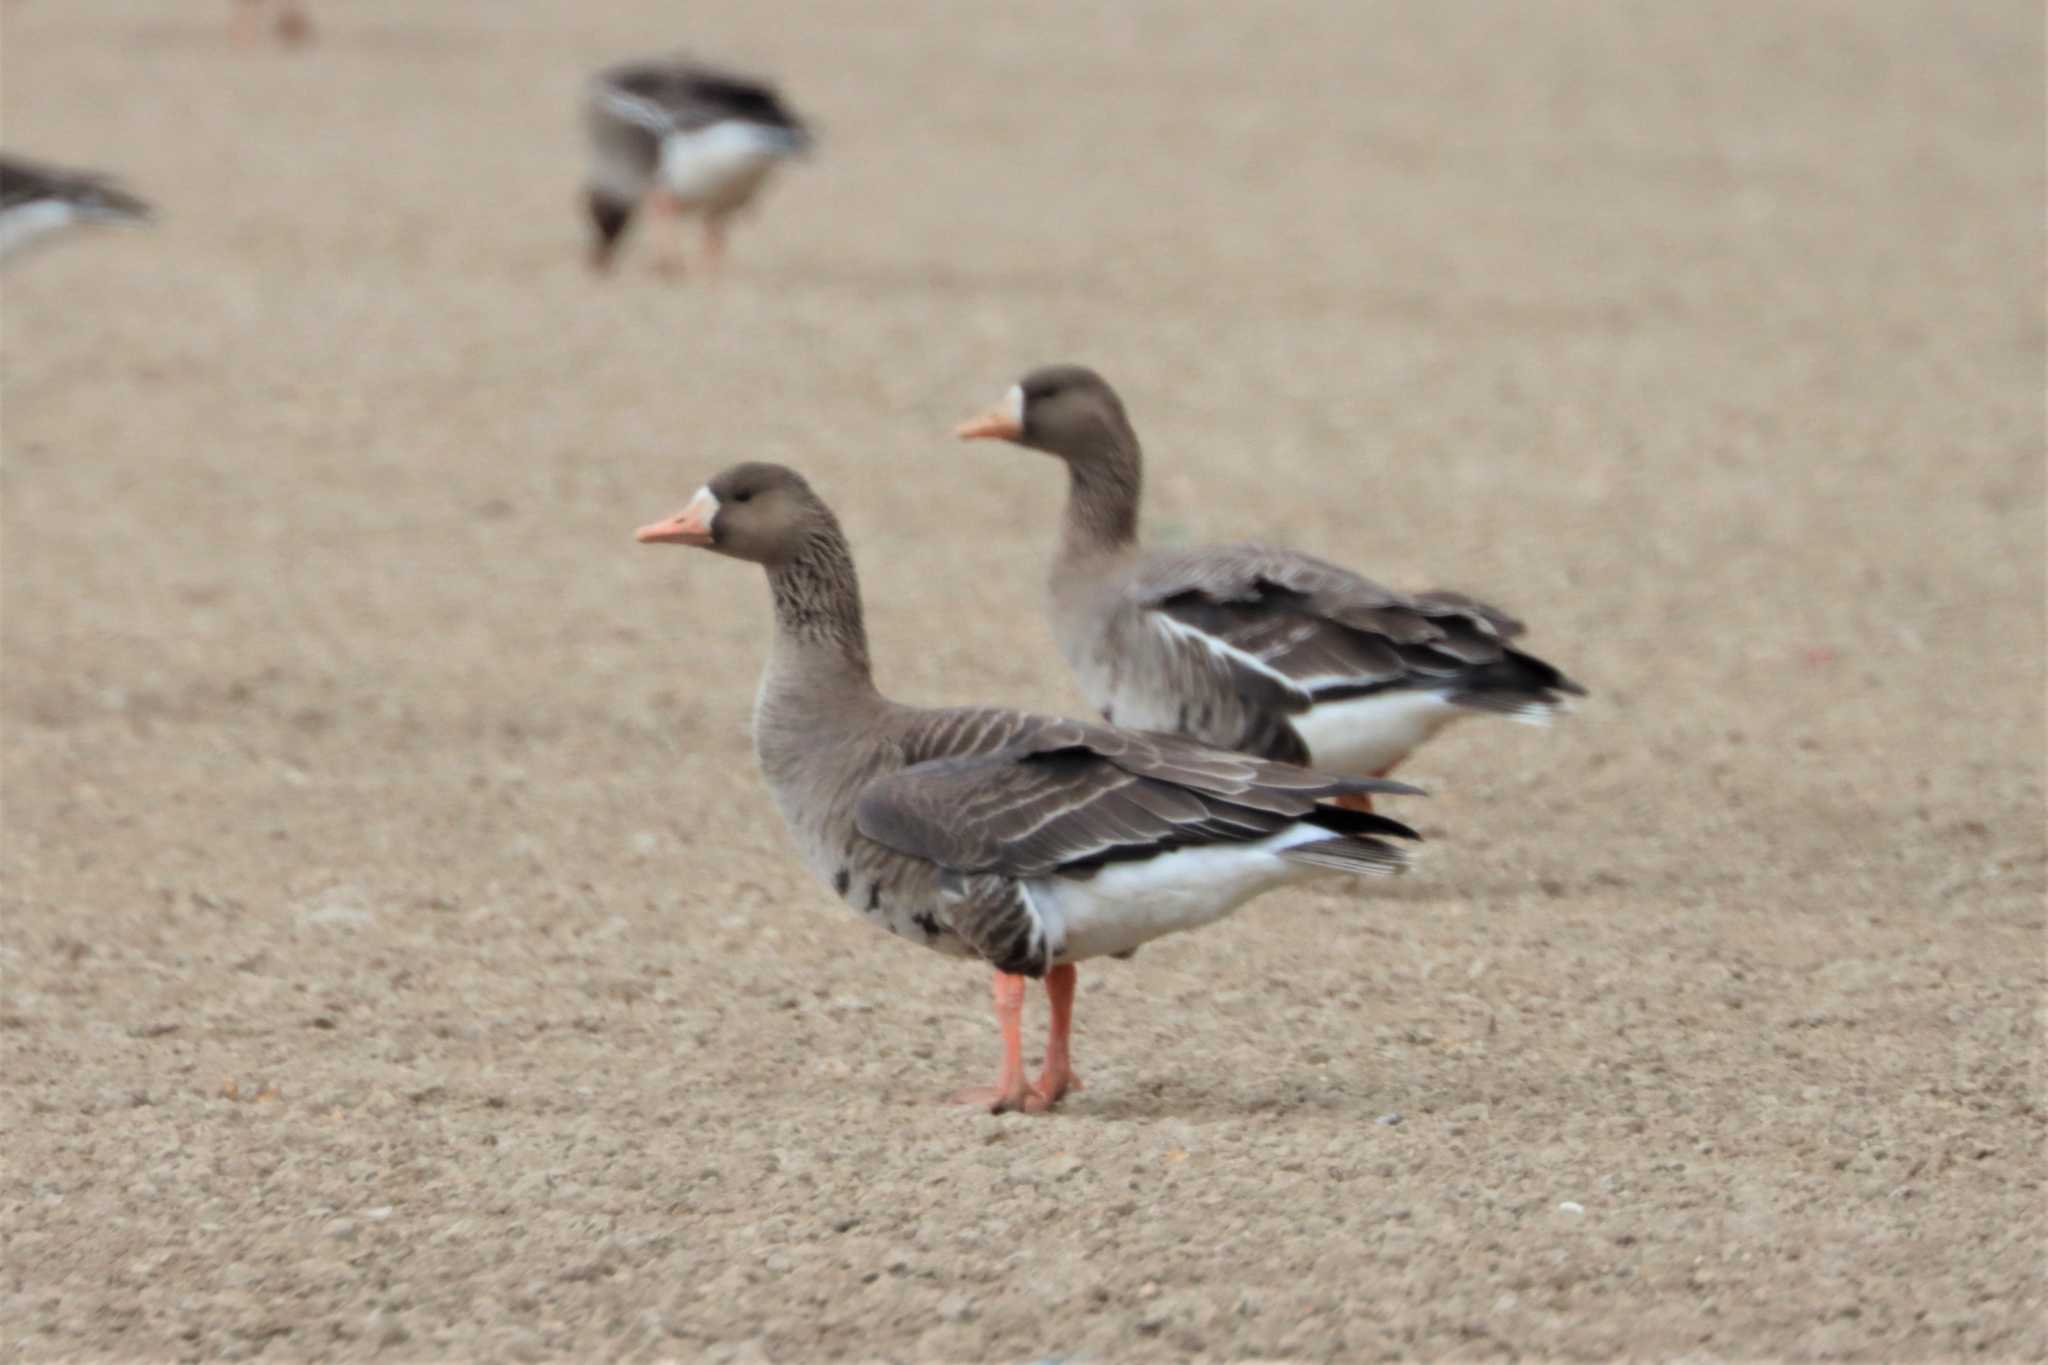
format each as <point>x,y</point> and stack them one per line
<point>401,957</point>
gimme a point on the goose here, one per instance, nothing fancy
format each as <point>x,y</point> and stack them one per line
<point>1250,647</point>
<point>1027,841</point>
<point>682,138</point>
<point>256,21</point>
<point>37,201</point>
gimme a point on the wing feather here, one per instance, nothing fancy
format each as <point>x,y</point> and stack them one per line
<point>24,182</point>
<point>1300,630</point>
<point>1058,794</point>
<point>681,96</point>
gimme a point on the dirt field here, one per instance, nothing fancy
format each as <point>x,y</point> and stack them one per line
<point>402,959</point>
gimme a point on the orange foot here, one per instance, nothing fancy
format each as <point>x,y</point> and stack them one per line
<point>1018,1099</point>
<point>1011,1093</point>
<point>1056,1085</point>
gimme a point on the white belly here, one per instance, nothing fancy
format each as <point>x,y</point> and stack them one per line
<point>1367,735</point>
<point>1128,904</point>
<point>721,166</point>
<point>32,221</point>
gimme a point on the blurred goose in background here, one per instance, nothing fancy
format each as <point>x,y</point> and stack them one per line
<point>283,21</point>
<point>680,138</point>
<point>1029,842</point>
<point>1250,647</point>
<point>38,201</point>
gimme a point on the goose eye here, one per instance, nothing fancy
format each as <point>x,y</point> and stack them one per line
<point>743,495</point>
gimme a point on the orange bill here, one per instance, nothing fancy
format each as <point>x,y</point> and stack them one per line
<point>1004,421</point>
<point>691,526</point>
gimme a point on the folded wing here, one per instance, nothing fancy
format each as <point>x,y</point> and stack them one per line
<point>1061,796</point>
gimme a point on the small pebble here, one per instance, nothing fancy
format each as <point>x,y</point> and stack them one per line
<point>1388,1120</point>
<point>1571,1207</point>
<point>956,1308</point>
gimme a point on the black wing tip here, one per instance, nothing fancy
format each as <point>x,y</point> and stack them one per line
<point>90,192</point>
<point>1513,683</point>
<point>1545,678</point>
<point>1360,824</point>
<point>113,202</point>
<point>1387,825</point>
<point>704,80</point>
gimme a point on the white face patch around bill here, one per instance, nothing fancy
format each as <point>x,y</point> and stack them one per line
<point>1013,405</point>
<point>703,507</point>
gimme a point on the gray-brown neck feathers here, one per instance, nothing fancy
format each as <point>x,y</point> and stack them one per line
<point>817,598</point>
<point>1103,485</point>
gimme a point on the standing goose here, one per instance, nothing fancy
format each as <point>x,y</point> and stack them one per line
<point>681,138</point>
<point>37,201</point>
<point>1250,647</point>
<point>1027,841</point>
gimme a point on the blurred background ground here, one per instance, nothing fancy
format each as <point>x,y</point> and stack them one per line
<point>400,954</point>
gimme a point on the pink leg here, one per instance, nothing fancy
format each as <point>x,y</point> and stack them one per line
<point>714,244</point>
<point>1058,1077</point>
<point>246,24</point>
<point>1010,1090</point>
<point>668,260</point>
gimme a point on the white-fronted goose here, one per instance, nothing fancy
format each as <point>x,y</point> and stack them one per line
<point>1249,647</point>
<point>1027,841</point>
<point>38,201</point>
<point>283,21</point>
<point>682,138</point>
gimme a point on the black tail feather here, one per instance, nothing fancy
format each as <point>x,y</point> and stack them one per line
<point>1344,820</point>
<point>1513,682</point>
